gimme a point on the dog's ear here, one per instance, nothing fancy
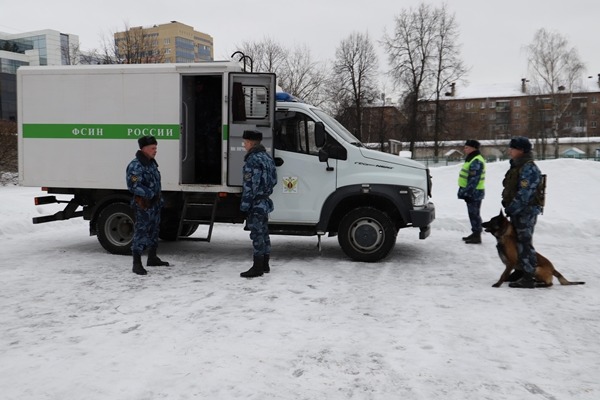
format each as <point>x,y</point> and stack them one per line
<point>501,213</point>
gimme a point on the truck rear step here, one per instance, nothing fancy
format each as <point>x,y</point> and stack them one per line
<point>198,209</point>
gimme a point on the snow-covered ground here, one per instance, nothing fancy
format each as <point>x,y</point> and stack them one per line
<point>425,323</point>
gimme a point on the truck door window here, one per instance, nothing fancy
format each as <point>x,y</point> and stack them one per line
<point>295,132</point>
<point>250,102</point>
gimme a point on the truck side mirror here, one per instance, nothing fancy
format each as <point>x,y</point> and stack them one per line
<point>324,157</point>
<point>319,134</point>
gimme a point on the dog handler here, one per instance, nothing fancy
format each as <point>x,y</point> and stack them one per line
<point>471,188</point>
<point>521,204</point>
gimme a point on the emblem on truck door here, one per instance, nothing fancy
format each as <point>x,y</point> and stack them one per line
<point>290,184</point>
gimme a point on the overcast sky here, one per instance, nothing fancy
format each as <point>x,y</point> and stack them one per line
<point>492,33</point>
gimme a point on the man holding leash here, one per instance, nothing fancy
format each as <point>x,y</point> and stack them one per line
<point>471,184</point>
<point>522,205</point>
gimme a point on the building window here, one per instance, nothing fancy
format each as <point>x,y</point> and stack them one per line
<point>517,103</point>
<point>593,124</point>
<point>594,99</point>
<point>468,105</point>
<point>167,41</point>
<point>492,104</point>
<point>482,105</point>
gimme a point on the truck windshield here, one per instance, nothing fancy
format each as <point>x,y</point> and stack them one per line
<point>337,127</point>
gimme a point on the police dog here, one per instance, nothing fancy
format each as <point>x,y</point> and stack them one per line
<point>506,238</point>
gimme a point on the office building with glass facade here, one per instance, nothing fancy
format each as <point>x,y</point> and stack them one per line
<point>44,47</point>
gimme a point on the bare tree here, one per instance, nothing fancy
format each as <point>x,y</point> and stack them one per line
<point>297,73</point>
<point>303,77</point>
<point>554,69</point>
<point>71,54</point>
<point>131,46</point>
<point>448,67</point>
<point>411,51</point>
<point>355,68</point>
<point>266,55</point>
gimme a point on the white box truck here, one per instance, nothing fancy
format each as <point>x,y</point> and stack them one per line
<point>79,125</point>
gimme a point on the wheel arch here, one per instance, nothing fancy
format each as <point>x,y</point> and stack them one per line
<point>386,198</point>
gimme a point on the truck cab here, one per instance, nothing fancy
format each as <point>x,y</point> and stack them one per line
<point>331,183</point>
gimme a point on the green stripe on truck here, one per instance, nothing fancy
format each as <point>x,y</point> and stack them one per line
<point>100,131</point>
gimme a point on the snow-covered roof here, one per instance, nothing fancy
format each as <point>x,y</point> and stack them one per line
<point>512,89</point>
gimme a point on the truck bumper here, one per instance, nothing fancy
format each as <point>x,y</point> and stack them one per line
<point>422,219</point>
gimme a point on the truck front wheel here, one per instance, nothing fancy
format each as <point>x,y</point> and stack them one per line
<point>115,228</point>
<point>367,234</point>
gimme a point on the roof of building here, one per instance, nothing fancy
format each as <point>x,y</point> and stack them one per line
<point>590,84</point>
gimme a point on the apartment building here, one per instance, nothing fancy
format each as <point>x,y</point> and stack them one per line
<point>172,42</point>
<point>500,111</point>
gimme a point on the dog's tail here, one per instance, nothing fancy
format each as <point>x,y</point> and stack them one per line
<point>564,281</point>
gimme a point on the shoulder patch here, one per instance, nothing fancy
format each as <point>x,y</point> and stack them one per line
<point>247,176</point>
<point>134,178</point>
<point>524,183</point>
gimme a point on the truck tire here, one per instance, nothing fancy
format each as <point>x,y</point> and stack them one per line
<point>367,234</point>
<point>115,228</point>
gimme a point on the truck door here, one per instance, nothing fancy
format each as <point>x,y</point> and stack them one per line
<point>303,182</point>
<point>251,106</point>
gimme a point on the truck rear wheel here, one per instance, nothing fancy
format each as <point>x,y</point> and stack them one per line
<point>367,234</point>
<point>115,228</point>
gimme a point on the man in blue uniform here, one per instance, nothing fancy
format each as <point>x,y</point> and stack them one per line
<point>522,205</point>
<point>259,178</point>
<point>143,181</point>
<point>471,188</point>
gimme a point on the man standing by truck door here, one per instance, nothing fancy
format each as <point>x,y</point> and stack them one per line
<point>143,181</point>
<point>259,178</point>
<point>471,189</point>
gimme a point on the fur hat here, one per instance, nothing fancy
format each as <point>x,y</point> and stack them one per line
<point>472,143</point>
<point>520,143</point>
<point>146,141</point>
<point>252,135</point>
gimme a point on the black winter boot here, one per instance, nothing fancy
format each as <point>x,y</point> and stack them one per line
<point>154,261</point>
<point>468,237</point>
<point>138,268</point>
<point>526,282</point>
<point>474,239</point>
<point>266,266</point>
<point>515,275</point>
<point>256,269</point>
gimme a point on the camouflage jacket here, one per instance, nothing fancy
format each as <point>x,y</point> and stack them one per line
<point>520,186</point>
<point>143,177</point>
<point>259,178</point>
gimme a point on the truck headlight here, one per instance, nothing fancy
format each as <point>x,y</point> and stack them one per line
<point>419,197</point>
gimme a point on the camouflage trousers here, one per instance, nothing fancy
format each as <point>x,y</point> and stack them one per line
<point>524,225</point>
<point>146,226</point>
<point>258,223</point>
<point>474,210</point>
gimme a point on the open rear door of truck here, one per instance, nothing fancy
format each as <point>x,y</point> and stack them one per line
<point>251,106</point>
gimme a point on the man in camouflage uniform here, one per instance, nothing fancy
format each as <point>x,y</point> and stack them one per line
<point>471,188</point>
<point>143,181</point>
<point>259,178</point>
<point>521,204</point>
